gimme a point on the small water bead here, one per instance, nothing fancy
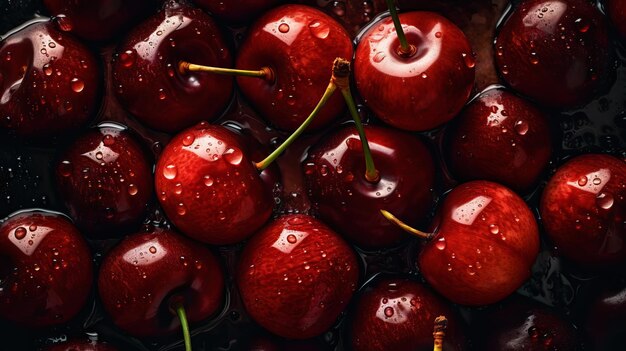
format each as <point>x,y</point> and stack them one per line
<point>161,94</point>
<point>181,210</point>
<point>32,227</point>
<point>178,188</point>
<point>283,28</point>
<point>170,171</point>
<point>441,243</point>
<point>597,181</point>
<point>438,35</point>
<point>582,181</point>
<point>379,57</point>
<point>469,60</point>
<point>424,75</point>
<point>533,58</point>
<point>77,85</point>
<point>292,239</point>
<point>319,29</point>
<point>132,189</point>
<point>65,168</point>
<point>20,233</point>
<point>389,312</point>
<point>188,139</point>
<point>521,127</point>
<point>152,250</point>
<point>127,58</point>
<point>208,180</point>
<point>233,156</point>
<point>470,270</point>
<point>605,201</point>
<point>47,69</point>
<point>494,229</point>
<point>582,25</point>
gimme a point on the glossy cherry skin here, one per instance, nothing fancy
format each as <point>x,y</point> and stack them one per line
<point>420,91</point>
<point>46,273</point>
<point>616,10</point>
<point>146,274</point>
<point>146,76</point>
<point>82,345</point>
<point>296,276</point>
<point>236,11</point>
<point>499,137</point>
<point>521,324</point>
<point>209,188</point>
<point>583,209</point>
<point>555,52</point>
<point>299,44</point>
<point>485,244</point>
<point>105,180</point>
<point>399,314</point>
<point>335,179</point>
<point>49,82</point>
<point>98,20</point>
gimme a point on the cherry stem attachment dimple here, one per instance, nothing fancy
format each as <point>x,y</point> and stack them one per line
<point>330,90</point>
<point>182,316</point>
<point>405,47</point>
<point>441,323</point>
<point>265,72</point>
<point>393,219</point>
<point>371,173</point>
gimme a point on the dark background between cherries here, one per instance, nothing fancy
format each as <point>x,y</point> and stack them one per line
<point>27,181</point>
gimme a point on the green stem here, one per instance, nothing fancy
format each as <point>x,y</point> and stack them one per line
<point>182,316</point>
<point>265,72</point>
<point>393,219</point>
<point>405,48</point>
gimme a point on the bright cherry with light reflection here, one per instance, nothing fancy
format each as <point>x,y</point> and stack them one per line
<point>146,76</point>
<point>45,269</point>
<point>398,314</point>
<point>236,11</point>
<point>147,276</point>
<point>583,209</point>
<point>209,187</point>
<point>105,179</point>
<point>296,276</point>
<point>420,89</point>
<point>49,82</point>
<point>486,241</point>
<point>555,52</point>
<point>342,196</point>
<point>501,138</point>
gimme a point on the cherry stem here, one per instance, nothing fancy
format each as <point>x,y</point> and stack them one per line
<point>265,72</point>
<point>441,323</point>
<point>393,219</point>
<point>405,48</point>
<point>182,316</point>
<point>330,90</point>
<point>371,173</point>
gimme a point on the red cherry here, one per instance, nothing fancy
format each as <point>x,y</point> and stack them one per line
<point>49,82</point>
<point>46,272</point>
<point>299,44</point>
<point>335,178</point>
<point>555,52</point>
<point>485,244</point>
<point>422,89</point>
<point>147,274</point>
<point>82,345</point>
<point>106,181</point>
<point>236,11</point>
<point>616,9</point>
<point>296,276</point>
<point>398,314</point>
<point>146,75</point>
<point>501,138</point>
<point>209,188</point>
<point>583,210</point>
<point>100,19</point>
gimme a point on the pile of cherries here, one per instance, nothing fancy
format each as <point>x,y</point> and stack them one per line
<point>156,198</point>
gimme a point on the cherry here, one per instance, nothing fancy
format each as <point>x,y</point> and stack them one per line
<point>483,247</point>
<point>87,344</point>
<point>335,175</point>
<point>555,52</point>
<point>398,314</point>
<point>499,137</point>
<point>105,179</point>
<point>49,82</point>
<point>297,43</point>
<point>46,273</point>
<point>616,10</point>
<point>583,210</point>
<point>605,318</point>
<point>237,12</point>
<point>209,188</point>
<point>420,85</point>
<point>296,276</point>
<point>149,277</point>
<point>98,20</point>
<point>146,75</point>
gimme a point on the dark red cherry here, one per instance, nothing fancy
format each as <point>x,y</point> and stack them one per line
<point>98,19</point>
<point>485,244</point>
<point>105,180</point>
<point>335,179</point>
<point>146,76</point>
<point>398,314</point>
<point>46,270</point>
<point>299,44</point>
<point>209,187</point>
<point>499,137</point>
<point>616,10</point>
<point>90,344</point>
<point>420,90</point>
<point>555,52</point>
<point>143,278</point>
<point>49,82</point>
<point>296,276</point>
<point>583,209</point>
<point>236,11</point>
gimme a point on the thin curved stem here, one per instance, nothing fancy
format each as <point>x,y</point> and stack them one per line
<point>405,48</point>
<point>182,316</point>
<point>265,72</point>
<point>405,226</point>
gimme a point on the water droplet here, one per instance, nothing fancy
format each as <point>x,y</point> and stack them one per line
<point>127,58</point>
<point>424,75</point>
<point>64,23</point>
<point>233,156</point>
<point>188,139</point>
<point>181,210</point>
<point>108,140</point>
<point>77,85</point>
<point>582,181</point>
<point>521,127</point>
<point>208,181</point>
<point>533,58</point>
<point>152,249</point>
<point>132,189</point>
<point>170,171</point>
<point>178,188</point>
<point>470,270</point>
<point>582,25</point>
<point>162,94</point>
<point>292,239</point>
<point>99,155</point>
<point>494,229</point>
<point>605,200</point>
<point>47,69</point>
<point>438,35</point>
<point>319,29</point>
<point>65,168</point>
<point>597,181</point>
<point>469,60</point>
<point>296,221</point>
<point>20,233</point>
<point>379,57</point>
<point>283,28</point>
<point>389,312</point>
<point>32,227</point>
<point>441,243</point>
